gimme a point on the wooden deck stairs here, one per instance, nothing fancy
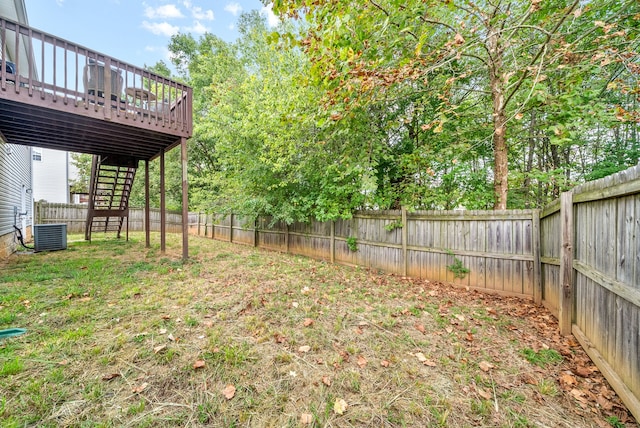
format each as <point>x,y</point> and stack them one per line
<point>109,191</point>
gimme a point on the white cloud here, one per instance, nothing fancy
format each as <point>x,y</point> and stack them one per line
<point>232,26</point>
<point>197,28</point>
<point>160,28</point>
<point>272,19</point>
<point>198,13</point>
<point>60,3</point>
<point>233,8</point>
<point>167,11</point>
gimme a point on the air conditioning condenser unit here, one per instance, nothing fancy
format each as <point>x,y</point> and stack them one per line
<point>50,237</point>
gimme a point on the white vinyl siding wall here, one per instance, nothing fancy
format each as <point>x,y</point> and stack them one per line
<point>51,176</point>
<point>15,186</point>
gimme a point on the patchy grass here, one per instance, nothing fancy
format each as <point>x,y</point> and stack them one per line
<point>120,335</point>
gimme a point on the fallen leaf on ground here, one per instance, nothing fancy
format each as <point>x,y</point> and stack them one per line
<point>420,356</point>
<point>166,317</point>
<point>229,392</point>
<point>326,380</point>
<point>421,328</point>
<point>568,380</point>
<point>159,348</point>
<point>306,419</point>
<point>604,403</point>
<point>340,406</point>
<point>138,389</point>
<point>429,363</point>
<point>485,366</point>
<point>583,371</point>
<point>110,376</point>
<point>163,331</point>
<point>308,322</point>
<point>304,349</point>
<point>198,364</point>
<point>384,363</point>
<point>358,330</point>
<point>484,394</point>
<point>171,338</point>
<point>362,361</point>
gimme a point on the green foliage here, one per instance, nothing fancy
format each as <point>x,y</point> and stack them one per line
<point>457,267</point>
<point>352,244</point>
<point>615,422</point>
<point>390,104</point>
<point>82,162</point>
<point>394,225</point>
<point>542,358</point>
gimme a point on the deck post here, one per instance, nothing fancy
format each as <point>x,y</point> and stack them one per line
<point>163,213</point>
<point>147,209</point>
<point>185,201</point>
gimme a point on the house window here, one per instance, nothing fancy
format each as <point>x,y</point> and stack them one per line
<point>37,155</point>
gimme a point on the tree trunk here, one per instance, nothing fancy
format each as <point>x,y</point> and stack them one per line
<point>500,150</point>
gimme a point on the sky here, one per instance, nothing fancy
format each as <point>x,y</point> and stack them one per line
<point>138,31</point>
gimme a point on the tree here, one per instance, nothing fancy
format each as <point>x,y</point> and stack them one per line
<point>490,56</point>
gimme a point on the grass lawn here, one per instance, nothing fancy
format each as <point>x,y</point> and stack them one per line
<point>120,335</point>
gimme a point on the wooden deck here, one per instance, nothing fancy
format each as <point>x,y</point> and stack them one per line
<point>67,97</point>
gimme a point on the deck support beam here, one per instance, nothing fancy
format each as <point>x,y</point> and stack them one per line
<point>163,207</point>
<point>185,200</point>
<point>147,209</point>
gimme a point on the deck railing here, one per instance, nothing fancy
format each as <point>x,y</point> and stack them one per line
<point>65,75</point>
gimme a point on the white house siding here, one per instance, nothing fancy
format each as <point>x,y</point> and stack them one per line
<point>50,175</point>
<point>15,192</point>
<point>15,161</point>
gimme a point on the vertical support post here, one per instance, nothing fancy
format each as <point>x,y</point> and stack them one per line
<point>185,201</point>
<point>537,266</point>
<point>107,88</point>
<point>163,208</point>
<point>405,238</point>
<point>231,228</point>
<point>333,241</point>
<point>255,232</point>
<point>286,238</point>
<point>213,226</point>
<point>566,263</point>
<point>147,208</point>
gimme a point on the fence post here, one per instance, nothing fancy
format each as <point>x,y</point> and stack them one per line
<point>565,307</point>
<point>231,228</point>
<point>405,236</point>
<point>333,242</point>
<point>537,267</point>
<point>286,238</point>
<point>255,232</point>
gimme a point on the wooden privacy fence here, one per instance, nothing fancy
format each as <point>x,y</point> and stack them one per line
<point>496,247</point>
<point>75,216</point>
<point>590,254</point>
